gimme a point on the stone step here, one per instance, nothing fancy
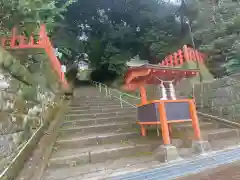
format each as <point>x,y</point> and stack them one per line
<point>99,115</point>
<point>90,100</point>
<point>75,127</point>
<point>106,170</point>
<point>218,134</point>
<point>103,128</point>
<point>95,139</point>
<point>98,121</point>
<point>109,168</point>
<point>184,152</point>
<point>225,143</point>
<point>96,97</point>
<point>95,102</point>
<point>97,105</point>
<point>97,131</point>
<point>181,130</point>
<point>88,94</point>
<point>185,130</point>
<point>101,109</point>
<point>86,107</point>
<point>121,165</point>
<point>95,154</point>
<point>109,103</point>
<point>186,126</point>
<point>178,129</point>
<point>185,139</point>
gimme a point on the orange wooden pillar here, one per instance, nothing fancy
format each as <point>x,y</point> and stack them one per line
<point>143,101</point>
<point>164,124</point>
<point>143,94</point>
<point>195,122</point>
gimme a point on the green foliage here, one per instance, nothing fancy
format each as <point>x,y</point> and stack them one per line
<point>29,14</point>
<point>29,93</point>
<point>117,30</point>
<point>217,31</point>
<point>113,31</point>
<point>164,38</point>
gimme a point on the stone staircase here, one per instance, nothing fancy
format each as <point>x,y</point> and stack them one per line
<point>100,140</point>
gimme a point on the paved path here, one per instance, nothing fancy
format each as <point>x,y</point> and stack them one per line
<point>225,172</point>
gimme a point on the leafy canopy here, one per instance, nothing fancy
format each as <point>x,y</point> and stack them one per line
<point>113,31</point>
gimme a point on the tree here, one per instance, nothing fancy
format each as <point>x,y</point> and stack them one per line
<point>29,14</point>
<point>217,31</point>
<point>117,30</point>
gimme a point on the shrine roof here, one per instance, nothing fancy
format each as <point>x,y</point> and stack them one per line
<point>152,74</point>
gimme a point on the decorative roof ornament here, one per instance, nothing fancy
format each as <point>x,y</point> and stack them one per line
<point>136,62</point>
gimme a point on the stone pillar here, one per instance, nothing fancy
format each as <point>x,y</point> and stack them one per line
<point>166,153</point>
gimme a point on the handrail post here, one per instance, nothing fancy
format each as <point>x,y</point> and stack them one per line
<point>106,89</point>
<point>110,93</point>
<point>121,103</point>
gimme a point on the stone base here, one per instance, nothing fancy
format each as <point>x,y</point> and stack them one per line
<point>166,153</point>
<point>200,147</point>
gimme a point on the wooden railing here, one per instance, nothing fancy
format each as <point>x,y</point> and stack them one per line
<point>41,41</point>
<point>182,55</point>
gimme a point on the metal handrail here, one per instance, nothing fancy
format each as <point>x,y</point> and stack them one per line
<point>220,120</point>
<point>109,92</point>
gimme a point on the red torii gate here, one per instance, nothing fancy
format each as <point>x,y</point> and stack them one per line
<point>42,42</point>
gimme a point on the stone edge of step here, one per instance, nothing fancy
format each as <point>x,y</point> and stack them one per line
<point>95,137</point>
<point>98,155</point>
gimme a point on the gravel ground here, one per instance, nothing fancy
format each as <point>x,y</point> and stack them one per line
<point>225,172</point>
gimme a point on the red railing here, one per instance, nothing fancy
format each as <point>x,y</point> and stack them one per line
<point>41,41</point>
<point>182,55</point>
